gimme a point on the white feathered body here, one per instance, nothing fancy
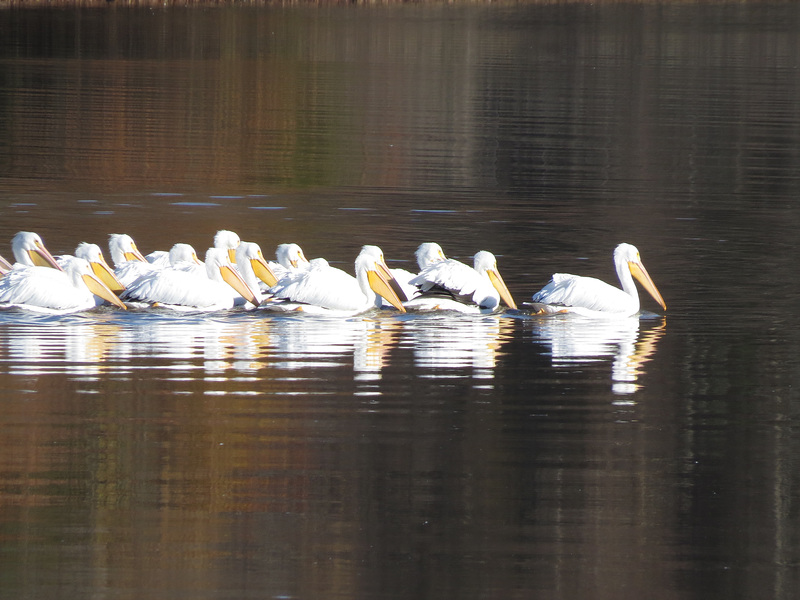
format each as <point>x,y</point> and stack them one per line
<point>48,289</point>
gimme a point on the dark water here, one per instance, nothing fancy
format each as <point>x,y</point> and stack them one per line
<point>244,455</point>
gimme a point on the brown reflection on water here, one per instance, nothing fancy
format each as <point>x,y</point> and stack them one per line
<point>237,456</point>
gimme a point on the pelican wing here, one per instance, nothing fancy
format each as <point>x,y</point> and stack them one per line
<point>159,258</point>
<point>575,291</point>
<point>321,285</point>
<point>449,275</point>
<point>129,271</point>
<point>403,279</point>
<point>175,287</point>
<point>42,287</point>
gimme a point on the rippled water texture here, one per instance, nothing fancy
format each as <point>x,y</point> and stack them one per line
<point>244,454</point>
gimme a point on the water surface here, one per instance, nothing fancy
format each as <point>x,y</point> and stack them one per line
<point>250,455</point>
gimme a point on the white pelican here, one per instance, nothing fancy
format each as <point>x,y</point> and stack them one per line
<point>253,268</point>
<point>452,285</point>
<point>29,250</point>
<point>129,264</point>
<point>123,249</point>
<point>92,254</point>
<point>68,290</point>
<point>427,253</point>
<point>223,239</point>
<point>290,259</point>
<point>180,256</point>
<point>322,288</point>
<point>181,286</point>
<point>229,241</point>
<point>591,297</point>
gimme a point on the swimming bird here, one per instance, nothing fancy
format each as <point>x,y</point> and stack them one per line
<point>182,286</point>
<point>123,249</point>
<point>452,285</point>
<point>29,250</point>
<point>592,297</point>
<point>229,241</point>
<point>92,254</point>
<point>68,289</point>
<point>322,289</point>
<point>290,259</point>
<point>254,269</point>
<point>223,239</point>
<point>127,270</point>
<point>426,254</point>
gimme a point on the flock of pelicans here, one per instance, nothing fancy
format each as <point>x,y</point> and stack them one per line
<point>235,273</point>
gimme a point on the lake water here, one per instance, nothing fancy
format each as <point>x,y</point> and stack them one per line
<point>239,454</point>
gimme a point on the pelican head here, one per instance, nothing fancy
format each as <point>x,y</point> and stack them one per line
<point>123,248</point>
<point>183,253</point>
<point>29,250</point>
<point>92,254</point>
<point>290,256</point>
<point>250,252</point>
<point>219,268</point>
<point>485,262</point>
<point>80,273</point>
<point>429,253</point>
<point>628,255</point>
<point>228,241</point>
<point>379,277</point>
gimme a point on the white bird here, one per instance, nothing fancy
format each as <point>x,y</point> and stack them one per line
<point>591,297</point>
<point>46,289</point>
<point>184,258</point>
<point>322,288</point>
<point>253,268</point>
<point>182,286</point>
<point>29,251</point>
<point>223,239</point>
<point>290,259</point>
<point>452,285</point>
<point>180,256</point>
<point>427,254</point>
<point>92,254</point>
<point>129,264</point>
<point>123,249</point>
<point>229,241</point>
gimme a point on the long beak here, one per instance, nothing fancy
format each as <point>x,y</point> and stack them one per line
<point>134,254</point>
<point>300,259</point>
<point>106,275</point>
<point>500,286</point>
<point>100,289</point>
<point>263,272</point>
<point>41,257</point>
<point>232,255</point>
<point>643,277</point>
<point>385,285</point>
<point>5,266</point>
<point>233,279</point>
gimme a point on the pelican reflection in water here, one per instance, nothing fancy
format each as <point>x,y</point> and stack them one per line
<point>320,341</point>
<point>443,344</point>
<point>239,344</point>
<point>578,340</point>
